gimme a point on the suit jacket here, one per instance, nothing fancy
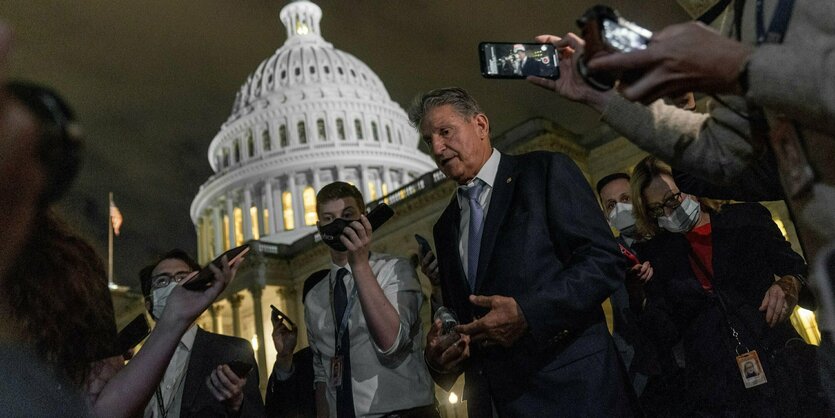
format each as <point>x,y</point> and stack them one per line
<point>209,351</point>
<point>546,244</point>
<point>294,397</point>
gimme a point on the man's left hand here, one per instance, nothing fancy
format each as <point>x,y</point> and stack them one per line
<point>680,58</point>
<point>227,387</point>
<point>503,325</point>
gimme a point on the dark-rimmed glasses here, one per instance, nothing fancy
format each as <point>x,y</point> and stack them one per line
<point>672,202</point>
<point>162,280</point>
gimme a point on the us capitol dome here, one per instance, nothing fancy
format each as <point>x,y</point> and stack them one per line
<point>307,116</point>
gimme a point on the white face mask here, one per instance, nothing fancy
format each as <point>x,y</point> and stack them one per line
<point>683,218</point>
<point>622,218</point>
<point>160,297</point>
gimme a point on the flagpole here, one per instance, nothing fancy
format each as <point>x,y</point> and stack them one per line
<point>110,242</point>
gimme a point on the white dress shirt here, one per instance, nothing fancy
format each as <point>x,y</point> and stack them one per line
<point>487,174</point>
<point>173,381</point>
<point>382,381</point>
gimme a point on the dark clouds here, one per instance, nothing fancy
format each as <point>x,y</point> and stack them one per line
<point>152,81</point>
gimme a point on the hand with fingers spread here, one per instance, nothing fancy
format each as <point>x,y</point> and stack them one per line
<point>677,60</point>
<point>445,352</point>
<point>780,300</point>
<point>571,84</point>
<point>227,387</point>
<point>503,324</point>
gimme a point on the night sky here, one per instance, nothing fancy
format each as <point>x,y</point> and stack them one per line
<point>152,81</point>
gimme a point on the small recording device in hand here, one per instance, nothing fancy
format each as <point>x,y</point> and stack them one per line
<point>605,31</point>
<point>132,334</point>
<point>423,243</point>
<point>448,320</point>
<point>204,279</point>
<point>518,60</point>
<point>279,316</point>
<point>240,368</point>
<point>331,232</point>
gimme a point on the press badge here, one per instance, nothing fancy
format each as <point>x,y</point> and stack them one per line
<point>751,369</point>
<point>336,371</point>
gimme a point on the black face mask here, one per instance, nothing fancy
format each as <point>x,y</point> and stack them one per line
<point>331,232</point>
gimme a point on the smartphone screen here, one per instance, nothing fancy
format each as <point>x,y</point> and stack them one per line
<point>379,215</point>
<point>518,60</point>
<point>277,315</point>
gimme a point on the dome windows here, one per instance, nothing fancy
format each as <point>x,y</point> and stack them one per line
<point>237,152</point>
<point>353,74</point>
<point>298,71</point>
<point>265,136</point>
<point>327,70</point>
<point>358,128</point>
<point>312,69</point>
<point>250,145</point>
<point>282,136</point>
<point>302,131</point>
<point>283,74</point>
<point>340,129</point>
<point>339,70</point>
<point>320,129</point>
<point>374,131</point>
<point>388,134</point>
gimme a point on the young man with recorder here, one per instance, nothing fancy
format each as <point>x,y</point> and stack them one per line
<point>362,320</point>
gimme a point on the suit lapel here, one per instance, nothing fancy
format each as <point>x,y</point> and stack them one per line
<point>500,201</point>
<point>448,236</point>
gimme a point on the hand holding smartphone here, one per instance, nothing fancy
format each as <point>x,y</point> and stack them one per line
<point>240,368</point>
<point>278,316</point>
<point>204,278</point>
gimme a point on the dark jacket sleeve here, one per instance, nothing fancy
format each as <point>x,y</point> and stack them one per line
<point>592,265</point>
<point>293,397</point>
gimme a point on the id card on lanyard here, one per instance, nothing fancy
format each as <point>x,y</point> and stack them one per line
<point>337,363</point>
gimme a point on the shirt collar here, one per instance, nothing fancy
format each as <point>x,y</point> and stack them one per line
<point>188,337</point>
<point>488,171</point>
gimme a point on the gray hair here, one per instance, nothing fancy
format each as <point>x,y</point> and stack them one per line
<point>457,97</point>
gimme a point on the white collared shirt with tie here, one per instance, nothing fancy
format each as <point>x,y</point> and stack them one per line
<point>487,174</point>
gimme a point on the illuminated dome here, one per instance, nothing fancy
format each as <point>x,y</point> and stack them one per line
<point>310,114</point>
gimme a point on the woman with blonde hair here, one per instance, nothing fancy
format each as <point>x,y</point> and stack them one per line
<point>727,281</point>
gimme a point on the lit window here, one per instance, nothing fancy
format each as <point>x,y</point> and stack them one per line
<point>320,127</point>
<point>239,226</point>
<point>302,28</point>
<point>253,216</point>
<point>374,131</point>
<point>385,188</point>
<point>302,133</point>
<point>226,244</point>
<point>287,203</point>
<point>309,198</point>
<point>358,128</point>
<point>282,135</point>
<point>265,135</point>
<point>340,129</point>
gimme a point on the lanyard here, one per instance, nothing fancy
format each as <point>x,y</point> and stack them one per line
<point>779,22</point>
<point>162,409</point>
<point>343,323</point>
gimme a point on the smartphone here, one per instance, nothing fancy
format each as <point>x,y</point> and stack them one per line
<point>240,368</point>
<point>203,280</point>
<point>379,215</point>
<point>277,315</point>
<point>605,31</point>
<point>425,248</point>
<point>132,334</point>
<point>518,60</point>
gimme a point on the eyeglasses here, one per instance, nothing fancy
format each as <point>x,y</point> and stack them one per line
<point>162,280</point>
<point>672,202</point>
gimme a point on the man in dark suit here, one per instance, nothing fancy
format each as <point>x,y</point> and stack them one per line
<point>526,259</point>
<point>198,381</point>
